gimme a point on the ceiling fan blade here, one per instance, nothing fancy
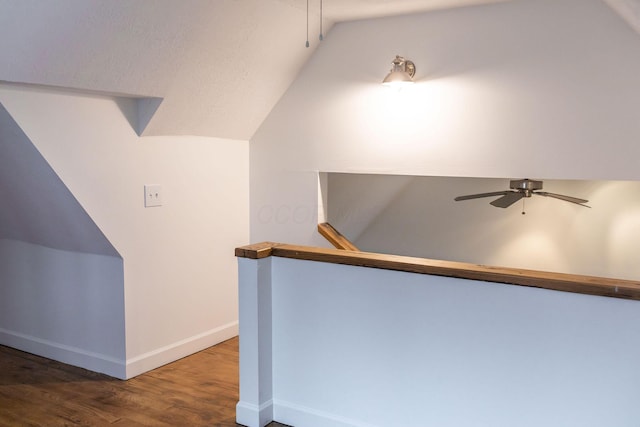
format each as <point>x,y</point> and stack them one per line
<point>575,200</point>
<point>508,199</point>
<point>477,196</point>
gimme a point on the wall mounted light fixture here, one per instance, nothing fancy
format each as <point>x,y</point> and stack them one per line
<point>401,73</point>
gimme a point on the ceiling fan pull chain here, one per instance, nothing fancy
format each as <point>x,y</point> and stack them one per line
<point>307,43</point>
<point>523,212</point>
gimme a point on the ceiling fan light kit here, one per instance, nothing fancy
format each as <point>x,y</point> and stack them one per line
<point>520,189</point>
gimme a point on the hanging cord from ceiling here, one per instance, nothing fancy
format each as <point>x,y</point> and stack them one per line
<point>321,36</point>
<point>307,43</point>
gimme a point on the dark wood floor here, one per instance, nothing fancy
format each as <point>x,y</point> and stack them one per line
<point>199,390</point>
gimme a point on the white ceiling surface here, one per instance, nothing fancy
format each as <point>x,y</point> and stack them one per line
<point>220,66</point>
<point>349,10</point>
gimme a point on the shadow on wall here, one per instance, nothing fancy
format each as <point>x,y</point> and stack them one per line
<point>40,208</point>
<point>417,216</point>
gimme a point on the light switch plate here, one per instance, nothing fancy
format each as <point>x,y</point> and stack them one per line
<point>152,195</point>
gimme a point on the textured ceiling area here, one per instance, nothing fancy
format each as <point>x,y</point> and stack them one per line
<point>218,66</point>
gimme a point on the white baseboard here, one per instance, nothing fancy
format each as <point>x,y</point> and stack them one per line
<point>253,415</point>
<point>111,366</point>
<point>178,350</point>
<point>300,416</point>
<point>63,353</point>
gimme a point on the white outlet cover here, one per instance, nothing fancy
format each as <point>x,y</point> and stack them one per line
<point>152,195</point>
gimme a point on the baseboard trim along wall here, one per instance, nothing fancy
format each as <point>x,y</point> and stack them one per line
<point>249,414</point>
<point>63,353</point>
<point>172,352</point>
<point>111,366</point>
<point>289,413</point>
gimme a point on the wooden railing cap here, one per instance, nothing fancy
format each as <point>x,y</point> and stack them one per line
<point>589,285</point>
<point>337,239</point>
<point>256,251</point>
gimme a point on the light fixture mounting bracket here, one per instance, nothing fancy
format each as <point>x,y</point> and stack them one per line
<point>402,64</point>
<point>410,67</point>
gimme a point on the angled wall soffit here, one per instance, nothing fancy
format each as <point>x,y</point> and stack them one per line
<point>137,109</point>
<point>38,208</point>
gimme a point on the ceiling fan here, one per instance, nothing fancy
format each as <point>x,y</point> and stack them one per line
<point>519,189</point>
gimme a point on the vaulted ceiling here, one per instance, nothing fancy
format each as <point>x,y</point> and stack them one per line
<point>218,67</point>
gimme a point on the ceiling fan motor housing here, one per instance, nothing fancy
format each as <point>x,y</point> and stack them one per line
<point>526,186</point>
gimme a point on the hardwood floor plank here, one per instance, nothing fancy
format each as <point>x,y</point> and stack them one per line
<point>199,390</point>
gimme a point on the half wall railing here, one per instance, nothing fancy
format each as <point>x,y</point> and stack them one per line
<point>338,338</point>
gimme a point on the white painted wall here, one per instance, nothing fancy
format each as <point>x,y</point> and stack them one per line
<point>180,291</point>
<point>404,349</point>
<point>529,88</point>
<point>66,305</point>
